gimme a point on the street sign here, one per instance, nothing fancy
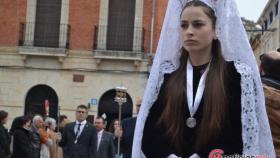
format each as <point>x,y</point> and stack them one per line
<point>93,101</point>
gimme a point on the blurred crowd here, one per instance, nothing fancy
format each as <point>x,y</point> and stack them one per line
<point>31,137</point>
<point>38,137</point>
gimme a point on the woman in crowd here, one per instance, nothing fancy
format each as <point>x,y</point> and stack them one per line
<point>112,128</point>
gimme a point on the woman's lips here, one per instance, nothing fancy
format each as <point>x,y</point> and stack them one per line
<point>190,42</point>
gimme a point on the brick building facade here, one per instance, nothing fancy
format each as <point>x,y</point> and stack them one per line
<point>72,52</point>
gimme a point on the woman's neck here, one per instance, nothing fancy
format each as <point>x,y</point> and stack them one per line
<point>199,58</point>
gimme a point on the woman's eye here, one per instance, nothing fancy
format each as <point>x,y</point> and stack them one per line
<point>184,26</point>
<point>197,25</point>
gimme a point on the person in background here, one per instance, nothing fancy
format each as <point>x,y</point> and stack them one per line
<point>16,124</point>
<point>63,121</point>
<point>113,129</point>
<point>269,68</point>
<point>55,150</point>
<point>79,137</point>
<point>45,140</point>
<point>105,143</point>
<point>22,138</point>
<point>113,126</point>
<point>5,138</point>
<point>37,124</point>
<point>270,72</point>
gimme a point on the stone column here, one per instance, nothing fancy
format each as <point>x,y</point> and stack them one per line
<point>63,30</point>
<point>30,22</point>
<point>137,37</point>
<point>103,22</point>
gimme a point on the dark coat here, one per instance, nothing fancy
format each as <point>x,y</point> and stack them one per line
<point>5,141</point>
<point>128,126</point>
<point>22,146</point>
<point>86,145</point>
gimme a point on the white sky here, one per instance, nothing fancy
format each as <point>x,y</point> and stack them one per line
<point>251,9</point>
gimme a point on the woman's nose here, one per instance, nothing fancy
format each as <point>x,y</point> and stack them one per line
<point>188,31</point>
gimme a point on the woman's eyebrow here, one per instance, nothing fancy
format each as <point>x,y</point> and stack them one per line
<point>198,20</point>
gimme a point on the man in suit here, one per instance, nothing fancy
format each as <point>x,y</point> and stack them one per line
<point>79,137</point>
<point>105,142</point>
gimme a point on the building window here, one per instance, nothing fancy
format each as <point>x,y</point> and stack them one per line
<point>120,27</point>
<point>276,9</point>
<point>265,25</point>
<point>270,17</point>
<point>47,23</point>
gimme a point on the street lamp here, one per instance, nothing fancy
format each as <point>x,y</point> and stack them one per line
<point>120,98</point>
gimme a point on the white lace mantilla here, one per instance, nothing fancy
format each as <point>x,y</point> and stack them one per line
<point>256,134</point>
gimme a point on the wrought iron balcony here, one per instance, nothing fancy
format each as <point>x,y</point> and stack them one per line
<point>122,42</point>
<point>41,38</point>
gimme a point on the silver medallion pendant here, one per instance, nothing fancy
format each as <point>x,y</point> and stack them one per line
<point>191,122</point>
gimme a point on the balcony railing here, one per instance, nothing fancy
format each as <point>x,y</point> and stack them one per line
<point>119,42</point>
<point>118,54</point>
<point>30,36</point>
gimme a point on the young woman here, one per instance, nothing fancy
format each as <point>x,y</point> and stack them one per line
<point>195,100</point>
<point>114,124</point>
<point>112,129</point>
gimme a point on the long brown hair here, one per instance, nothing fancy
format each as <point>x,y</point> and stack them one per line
<point>214,95</point>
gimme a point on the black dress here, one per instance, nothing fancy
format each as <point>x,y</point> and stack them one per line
<point>155,144</point>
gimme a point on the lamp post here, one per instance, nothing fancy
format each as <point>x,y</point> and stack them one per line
<point>120,98</point>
